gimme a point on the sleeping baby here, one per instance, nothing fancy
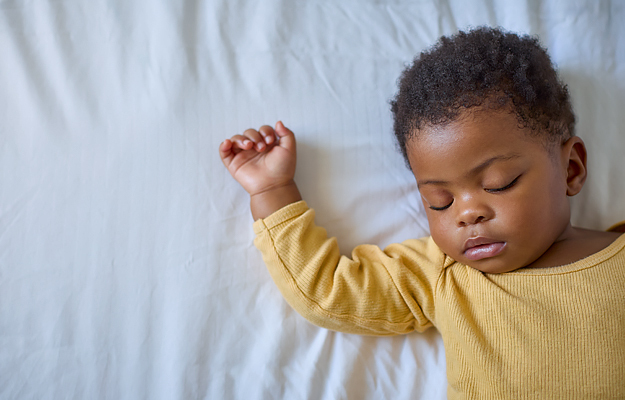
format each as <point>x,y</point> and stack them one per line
<point>528,305</point>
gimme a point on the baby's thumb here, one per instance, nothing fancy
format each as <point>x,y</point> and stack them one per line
<point>287,138</point>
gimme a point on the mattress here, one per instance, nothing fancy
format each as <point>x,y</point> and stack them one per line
<point>127,268</point>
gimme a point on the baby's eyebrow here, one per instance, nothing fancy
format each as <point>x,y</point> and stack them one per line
<point>431,182</point>
<point>487,163</point>
<point>475,170</point>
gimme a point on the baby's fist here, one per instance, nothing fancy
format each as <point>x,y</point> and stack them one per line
<point>261,160</point>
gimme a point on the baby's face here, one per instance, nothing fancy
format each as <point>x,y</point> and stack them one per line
<point>495,198</point>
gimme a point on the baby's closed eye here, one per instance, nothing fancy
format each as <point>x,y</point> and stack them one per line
<point>505,187</point>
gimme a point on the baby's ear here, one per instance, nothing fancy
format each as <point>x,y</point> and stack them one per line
<point>574,154</point>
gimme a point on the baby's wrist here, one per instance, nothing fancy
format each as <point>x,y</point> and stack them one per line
<point>266,202</point>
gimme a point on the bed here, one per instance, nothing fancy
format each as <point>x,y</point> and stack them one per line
<point>127,268</point>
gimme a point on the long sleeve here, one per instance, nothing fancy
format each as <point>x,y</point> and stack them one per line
<point>375,292</point>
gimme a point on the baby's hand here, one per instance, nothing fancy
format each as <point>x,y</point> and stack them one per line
<point>261,160</point>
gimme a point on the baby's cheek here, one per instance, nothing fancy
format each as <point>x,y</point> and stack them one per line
<point>444,236</point>
<point>517,212</point>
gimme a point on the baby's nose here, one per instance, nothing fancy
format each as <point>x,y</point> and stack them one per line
<point>472,211</point>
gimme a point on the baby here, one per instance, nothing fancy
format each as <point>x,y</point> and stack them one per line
<point>528,305</point>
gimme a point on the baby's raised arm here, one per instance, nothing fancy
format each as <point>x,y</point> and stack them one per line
<point>374,292</point>
<point>263,162</point>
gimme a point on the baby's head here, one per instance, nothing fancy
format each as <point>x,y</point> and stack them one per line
<point>485,68</point>
<point>487,129</point>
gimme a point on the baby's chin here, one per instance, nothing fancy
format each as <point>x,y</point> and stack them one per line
<point>492,265</point>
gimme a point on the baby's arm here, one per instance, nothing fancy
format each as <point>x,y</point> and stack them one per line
<point>263,162</point>
<point>373,292</point>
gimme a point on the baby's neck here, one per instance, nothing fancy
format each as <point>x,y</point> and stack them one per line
<point>577,245</point>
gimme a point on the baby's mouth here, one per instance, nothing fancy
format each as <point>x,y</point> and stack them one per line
<point>479,248</point>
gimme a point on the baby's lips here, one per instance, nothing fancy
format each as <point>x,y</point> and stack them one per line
<point>482,251</point>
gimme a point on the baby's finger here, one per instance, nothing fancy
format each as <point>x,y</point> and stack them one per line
<point>268,134</point>
<point>225,152</point>
<point>255,136</point>
<point>241,142</point>
<point>287,138</point>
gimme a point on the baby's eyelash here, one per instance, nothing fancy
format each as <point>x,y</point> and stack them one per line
<point>442,208</point>
<point>497,190</point>
<point>508,186</point>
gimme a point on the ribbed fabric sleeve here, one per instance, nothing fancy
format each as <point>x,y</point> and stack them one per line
<point>556,333</point>
<point>372,292</point>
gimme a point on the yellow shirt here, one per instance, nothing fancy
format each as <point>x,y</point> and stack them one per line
<point>532,333</point>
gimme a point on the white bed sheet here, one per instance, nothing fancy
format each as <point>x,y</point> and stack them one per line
<point>127,269</point>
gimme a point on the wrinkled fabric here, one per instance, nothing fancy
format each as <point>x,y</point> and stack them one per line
<point>127,268</point>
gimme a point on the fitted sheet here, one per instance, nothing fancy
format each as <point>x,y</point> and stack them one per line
<point>127,268</point>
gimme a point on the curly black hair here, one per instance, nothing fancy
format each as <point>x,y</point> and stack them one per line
<point>484,67</point>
